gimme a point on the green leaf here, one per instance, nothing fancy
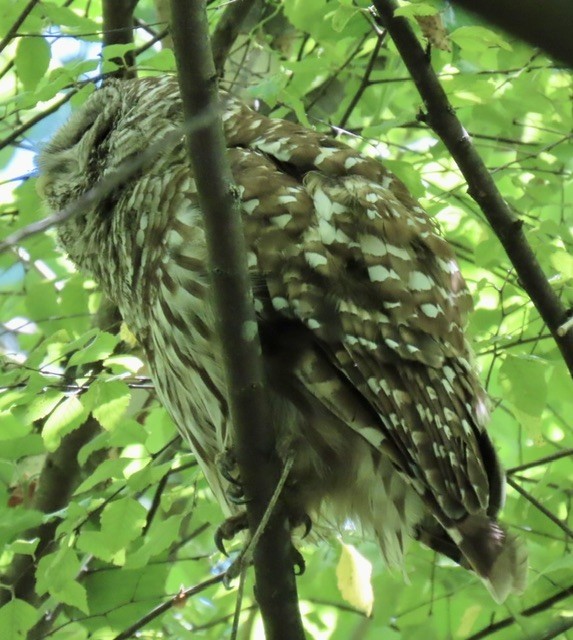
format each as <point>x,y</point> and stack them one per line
<point>66,417</point>
<point>341,17</point>
<point>100,348</point>
<point>65,17</point>
<point>107,470</point>
<point>524,379</point>
<point>121,522</point>
<point>161,535</point>
<point>476,38</point>
<point>17,617</point>
<point>32,60</point>
<point>12,427</point>
<point>41,300</point>
<point>116,51</point>
<point>57,575</point>
<point>417,9</point>
<point>107,401</point>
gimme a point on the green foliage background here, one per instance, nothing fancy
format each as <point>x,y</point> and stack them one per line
<point>139,526</point>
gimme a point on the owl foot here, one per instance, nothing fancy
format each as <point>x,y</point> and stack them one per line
<point>235,524</point>
<point>227,465</point>
<point>229,529</point>
<point>245,559</point>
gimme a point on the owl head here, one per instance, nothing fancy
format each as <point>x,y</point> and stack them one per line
<point>72,164</point>
<point>96,156</point>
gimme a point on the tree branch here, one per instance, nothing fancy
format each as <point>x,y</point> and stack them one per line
<point>227,30</point>
<point>118,29</point>
<point>542,24</point>
<point>177,600</point>
<point>17,24</point>
<point>494,627</point>
<point>59,477</point>
<point>254,446</point>
<point>509,229</point>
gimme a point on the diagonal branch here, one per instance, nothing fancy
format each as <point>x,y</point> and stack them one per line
<point>253,440</point>
<point>227,30</point>
<point>507,227</point>
<point>17,24</point>
<point>544,605</point>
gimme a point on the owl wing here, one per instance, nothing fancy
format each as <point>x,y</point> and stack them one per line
<point>343,249</point>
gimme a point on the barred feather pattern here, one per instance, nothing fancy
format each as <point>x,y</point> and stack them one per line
<point>361,309</point>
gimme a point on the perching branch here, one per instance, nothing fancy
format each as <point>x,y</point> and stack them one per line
<point>254,445</point>
<point>507,227</point>
<point>543,24</point>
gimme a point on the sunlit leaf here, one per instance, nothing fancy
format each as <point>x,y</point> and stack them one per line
<point>354,573</point>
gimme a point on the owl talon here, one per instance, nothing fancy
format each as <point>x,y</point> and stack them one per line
<point>301,520</point>
<point>236,495</point>
<point>307,524</point>
<point>229,529</point>
<point>227,466</point>
<point>298,562</point>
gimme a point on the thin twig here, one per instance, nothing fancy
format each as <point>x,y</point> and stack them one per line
<point>540,507</point>
<point>494,627</point>
<point>177,600</point>
<point>566,453</point>
<point>17,24</point>
<point>365,82</point>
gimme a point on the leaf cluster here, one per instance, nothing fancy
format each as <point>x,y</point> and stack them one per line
<point>135,525</point>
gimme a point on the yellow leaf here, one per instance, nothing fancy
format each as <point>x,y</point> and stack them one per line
<point>468,620</point>
<point>354,573</point>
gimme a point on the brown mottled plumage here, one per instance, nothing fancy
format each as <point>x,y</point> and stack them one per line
<point>361,310</point>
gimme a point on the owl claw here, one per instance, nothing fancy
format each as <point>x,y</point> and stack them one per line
<point>227,465</point>
<point>229,529</point>
<point>298,562</point>
<point>307,523</point>
<point>301,520</point>
<point>236,495</point>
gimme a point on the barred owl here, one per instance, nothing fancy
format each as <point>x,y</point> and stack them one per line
<point>361,310</point>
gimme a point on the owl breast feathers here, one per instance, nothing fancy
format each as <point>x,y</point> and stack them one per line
<point>361,310</point>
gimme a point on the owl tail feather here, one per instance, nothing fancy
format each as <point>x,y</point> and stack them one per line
<point>497,556</point>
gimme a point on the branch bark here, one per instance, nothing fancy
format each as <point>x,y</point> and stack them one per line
<point>507,227</point>
<point>254,446</point>
<point>118,29</point>
<point>542,24</point>
<point>227,30</point>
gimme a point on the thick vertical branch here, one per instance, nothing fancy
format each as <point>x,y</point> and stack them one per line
<point>254,445</point>
<point>118,29</point>
<point>509,229</point>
